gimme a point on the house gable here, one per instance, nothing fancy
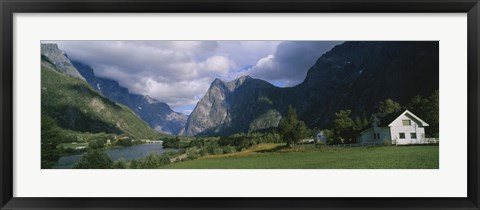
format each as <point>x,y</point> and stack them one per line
<point>407,114</point>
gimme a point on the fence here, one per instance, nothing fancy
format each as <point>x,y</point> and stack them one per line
<point>375,144</point>
<point>432,140</point>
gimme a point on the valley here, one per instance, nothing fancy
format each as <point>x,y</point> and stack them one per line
<point>91,121</point>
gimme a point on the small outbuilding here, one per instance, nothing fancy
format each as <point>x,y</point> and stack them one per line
<point>321,137</point>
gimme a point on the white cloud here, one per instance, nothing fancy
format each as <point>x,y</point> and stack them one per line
<point>175,72</point>
<point>180,72</point>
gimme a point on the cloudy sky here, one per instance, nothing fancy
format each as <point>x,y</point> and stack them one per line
<point>180,72</point>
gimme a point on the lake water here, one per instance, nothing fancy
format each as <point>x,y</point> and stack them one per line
<point>128,153</point>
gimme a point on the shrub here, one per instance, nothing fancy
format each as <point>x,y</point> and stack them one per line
<point>192,153</point>
<point>154,160</point>
<point>171,142</point>
<point>203,152</point>
<point>134,164</point>
<point>218,151</point>
<point>127,142</point>
<point>387,142</point>
<point>94,159</point>
<point>96,144</point>
<point>229,149</point>
<point>120,164</point>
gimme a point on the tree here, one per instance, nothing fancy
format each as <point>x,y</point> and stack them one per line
<point>389,106</point>
<point>171,143</point>
<point>96,144</point>
<point>50,139</point>
<point>427,109</point>
<point>360,123</point>
<point>94,159</point>
<point>343,126</point>
<point>291,129</point>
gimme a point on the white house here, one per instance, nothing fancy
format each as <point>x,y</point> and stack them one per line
<point>395,128</point>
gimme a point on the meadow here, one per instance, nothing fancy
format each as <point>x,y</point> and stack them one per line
<point>278,156</point>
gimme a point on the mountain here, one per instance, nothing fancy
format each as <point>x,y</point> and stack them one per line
<point>353,75</point>
<point>157,114</point>
<point>59,59</point>
<point>78,108</point>
<point>358,75</point>
<point>230,106</point>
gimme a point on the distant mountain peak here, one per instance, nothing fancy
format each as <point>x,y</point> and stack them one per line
<point>231,85</point>
<point>59,58</point>
<point>156,113</point>
<point>151,100</point>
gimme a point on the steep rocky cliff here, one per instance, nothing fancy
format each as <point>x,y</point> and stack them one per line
<point>59,59</point>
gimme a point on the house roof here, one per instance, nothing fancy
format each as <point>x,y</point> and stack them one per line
<point>408,113</point>
<point>386,120</point>
<point>366,128</point>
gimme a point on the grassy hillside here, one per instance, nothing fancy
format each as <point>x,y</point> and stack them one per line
<point>274,156</point>
<point>78,108</point>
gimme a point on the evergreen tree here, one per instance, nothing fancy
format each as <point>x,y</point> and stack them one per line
<point>389,106</point>
<point>291,129</point>
<point>427,109</point>
<point>50,138</point>
<point>343,126</point>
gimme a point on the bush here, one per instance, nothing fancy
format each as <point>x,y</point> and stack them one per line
<point>217,151</point>
<point>224,141</point>
<point>171,143</point>
<point>229,149</point>
<point>120,164</point>
<point>127,142</point>
<point>94,159</point>
<point>96,144</point>
<point>134,164</point>
<point>154,160</point>
<point>203,152</point>
<point>212,147</point>
<point>192,153</point>
<point>197,142</point>
<point>387,142</point>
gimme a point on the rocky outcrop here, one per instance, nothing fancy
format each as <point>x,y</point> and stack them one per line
<point>240,105</point>
<point>59,59</point>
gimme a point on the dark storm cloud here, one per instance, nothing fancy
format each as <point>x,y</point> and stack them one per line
<point>290,62</point>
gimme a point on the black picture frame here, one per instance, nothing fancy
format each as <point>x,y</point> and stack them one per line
<point>10,7</point>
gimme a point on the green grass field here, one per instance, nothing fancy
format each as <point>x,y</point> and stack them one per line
<point>308,157</point>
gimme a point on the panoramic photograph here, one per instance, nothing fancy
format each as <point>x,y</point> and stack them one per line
<point>239,104</point>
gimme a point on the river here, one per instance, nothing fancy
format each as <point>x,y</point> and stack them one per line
<point>127,153</point>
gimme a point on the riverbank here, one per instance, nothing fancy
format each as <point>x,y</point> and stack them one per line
<point>128,153</point>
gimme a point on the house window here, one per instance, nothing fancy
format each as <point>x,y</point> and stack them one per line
<point>374,136</point>
<point>378,135</point>
<point>402,135</point>
<point>413,135</point>
<point>406,122</point>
